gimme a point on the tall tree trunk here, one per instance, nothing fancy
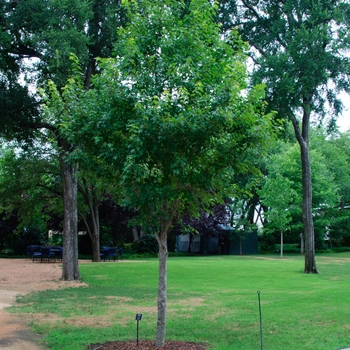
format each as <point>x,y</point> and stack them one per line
<point>309,234</point>
<point>70,268</point>
<point>303,140</point>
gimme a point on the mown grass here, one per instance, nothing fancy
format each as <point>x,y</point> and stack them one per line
<point>210,299</point>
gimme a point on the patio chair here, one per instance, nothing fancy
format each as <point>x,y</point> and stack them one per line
<point>58,252</point>
<point>35,251</point>
<point>112,252</point>
<point>47,254</point>
<point>108,253</point>
<point>104,253</point>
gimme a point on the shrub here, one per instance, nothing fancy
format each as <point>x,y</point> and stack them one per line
<point>29,236</point>
<point>146,244</point>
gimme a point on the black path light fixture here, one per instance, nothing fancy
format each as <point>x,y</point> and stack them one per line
<point>138,319</point>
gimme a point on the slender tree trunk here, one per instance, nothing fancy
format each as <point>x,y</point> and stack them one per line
<point>90,197</point>
<point>302,243</point>
<point>96,230</point>
<point>162,238</point>
<point>309,234</point>
<point>190,241</point>
<point>70,268</point>
<point>162,288</point>
<point>240,245</point>
<point>303,140</point>
<point>135,233</point>
<point>281,243</point>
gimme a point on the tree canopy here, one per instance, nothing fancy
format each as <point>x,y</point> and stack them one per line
<point>171,117</point>
<point>298,50</point>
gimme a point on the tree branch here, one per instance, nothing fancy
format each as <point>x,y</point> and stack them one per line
<point>25,51</point>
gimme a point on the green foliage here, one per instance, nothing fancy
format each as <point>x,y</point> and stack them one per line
<point>30,184</point>
<point>167,116</point>
<point>28,236</point>
<point>299,50</point>
<point>282,192</point>
<point>146,244</point>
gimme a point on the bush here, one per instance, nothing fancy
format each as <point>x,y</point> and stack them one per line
<point>29,236</point>
<point>146,244</point>
<point>7,252</point>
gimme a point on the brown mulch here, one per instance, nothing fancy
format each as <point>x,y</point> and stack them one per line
<point>147,345</point>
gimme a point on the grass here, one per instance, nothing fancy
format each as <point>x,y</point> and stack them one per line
<point>210,299</point>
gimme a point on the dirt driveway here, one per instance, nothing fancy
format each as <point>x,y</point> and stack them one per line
<point>21,276</point>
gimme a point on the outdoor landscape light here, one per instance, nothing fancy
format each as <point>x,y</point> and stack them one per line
<point>138,319</point>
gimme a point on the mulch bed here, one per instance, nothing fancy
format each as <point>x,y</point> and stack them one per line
<point>147,345</point>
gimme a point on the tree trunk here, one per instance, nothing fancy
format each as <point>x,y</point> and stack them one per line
<point>90,197</point>
<point>281,243</point>
<point>70,268</point>
<point>162,288</point>
<point>309,234</point>
<point>135,233</point>
<point>302,243</point>
<point>190,241</point>
<point>303,140</point>
<point>240,245</point>
<point>95,217</point>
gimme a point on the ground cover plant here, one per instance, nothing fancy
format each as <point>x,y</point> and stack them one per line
<point>211,300</point>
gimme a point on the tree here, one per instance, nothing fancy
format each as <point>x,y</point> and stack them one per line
<point>44,34</point>
<point>31,186</point>
<point>281,191</point>
<point>298,51</point>
<point>278,195</point>
<point>169,118</point>
<point>335,150</point>
<point>30,183</point>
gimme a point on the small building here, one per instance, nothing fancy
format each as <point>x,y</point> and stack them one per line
<point>223,246</point>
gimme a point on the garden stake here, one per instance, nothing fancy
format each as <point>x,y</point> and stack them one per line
<point>261,342</point>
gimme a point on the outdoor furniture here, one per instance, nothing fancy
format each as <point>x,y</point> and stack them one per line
<point>58,251</point>
<point>35,251</point>
<point>31,249</point>
<point>108,253</point>
<point>112,252</point>
<point>43,253</point>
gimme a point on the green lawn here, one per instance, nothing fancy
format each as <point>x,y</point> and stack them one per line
<point>210,299</point>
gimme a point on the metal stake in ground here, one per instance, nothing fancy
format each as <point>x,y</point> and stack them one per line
<point>261,342</point>
<point>138,319</point>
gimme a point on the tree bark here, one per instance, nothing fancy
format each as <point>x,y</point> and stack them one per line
<point>70,268</point>
<point>309,234</point>
<point>162,238</point>
<point>302,137</point>
<point>162,289</point>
